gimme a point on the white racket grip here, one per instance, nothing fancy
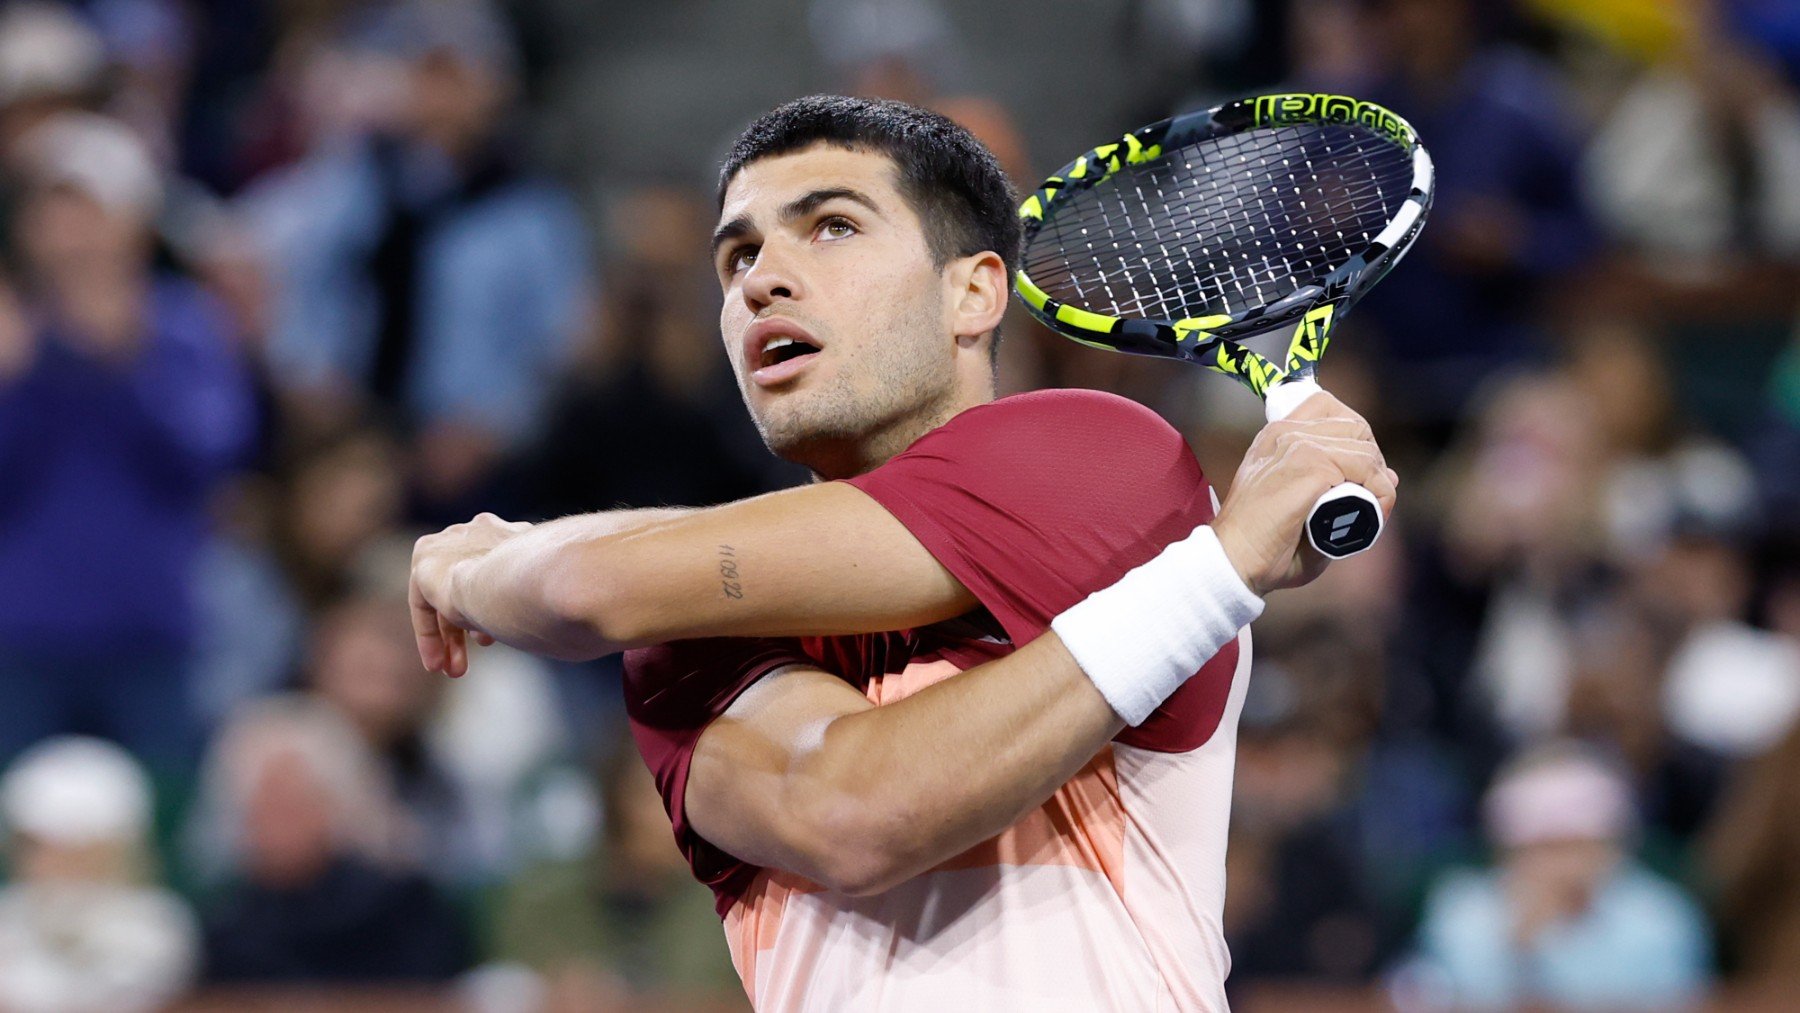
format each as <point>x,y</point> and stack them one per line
<point>1285,398</point>
<point>1346,520</point>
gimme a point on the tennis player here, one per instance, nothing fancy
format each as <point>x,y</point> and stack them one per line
<point>951,728</point>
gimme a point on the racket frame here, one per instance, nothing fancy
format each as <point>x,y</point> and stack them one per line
<point>1213,341</point>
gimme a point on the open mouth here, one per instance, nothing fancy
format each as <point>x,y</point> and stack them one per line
<point>784,349</point>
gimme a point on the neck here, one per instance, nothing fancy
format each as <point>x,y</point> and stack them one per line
<point>849,458</point>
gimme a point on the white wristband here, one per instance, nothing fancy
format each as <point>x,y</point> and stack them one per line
<point>1148,633</point>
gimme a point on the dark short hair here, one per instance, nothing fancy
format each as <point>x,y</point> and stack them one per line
<point>950,179</point>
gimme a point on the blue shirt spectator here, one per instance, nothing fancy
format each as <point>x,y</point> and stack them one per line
<point>122,404</point>
<point>104,512</point>
<point>1567,918</point>
<point>1640,943</point>
<point>417,267</point>
<point>103,521</point>
<point>382,244</point>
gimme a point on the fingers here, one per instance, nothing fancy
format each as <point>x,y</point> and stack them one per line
<point>1342,460</point>
<point>1344,425</point>
<point>443,644</point>
<point>1332,450</point>
<point>456,648</point>
<point>426,629</point>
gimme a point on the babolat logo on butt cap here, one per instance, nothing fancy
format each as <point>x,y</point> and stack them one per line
<point>1302,107</point>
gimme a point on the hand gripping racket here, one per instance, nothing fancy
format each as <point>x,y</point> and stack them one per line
<point>1191,235</point>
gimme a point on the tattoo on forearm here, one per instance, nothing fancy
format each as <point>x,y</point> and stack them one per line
<point>729,582</point>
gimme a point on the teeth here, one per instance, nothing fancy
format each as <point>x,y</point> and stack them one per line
<point>781,342</point>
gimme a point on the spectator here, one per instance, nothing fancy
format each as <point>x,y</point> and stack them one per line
<point>362,662</point>
<point>651,365</point>
<point>302,826</point>
<point>1508,215</point>
<point>420,266</point>
<point>1567,918</point>
<point>464,757</point>
<point>1521,525</point>
<point>1699,159</point>
<point>624,918</point>
<point>340,497</point>
<point>81,929</point>
<point>1730,688</point>
<point>1617,662</point>
<point>250,622</point>
<point>121,407</point>
<point>1297,907</point>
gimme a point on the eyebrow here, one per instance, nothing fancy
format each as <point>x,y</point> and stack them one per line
<point>799,207</point>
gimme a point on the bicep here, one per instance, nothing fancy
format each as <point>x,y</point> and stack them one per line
<point>820,560</point>
<point>739,795</point>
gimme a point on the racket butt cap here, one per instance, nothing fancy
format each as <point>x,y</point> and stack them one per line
<point>1345,521</point>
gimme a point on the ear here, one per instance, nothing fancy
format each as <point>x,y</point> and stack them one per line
<point>978,293</point>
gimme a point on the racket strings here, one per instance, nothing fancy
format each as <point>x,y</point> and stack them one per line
<point>1223,226</point>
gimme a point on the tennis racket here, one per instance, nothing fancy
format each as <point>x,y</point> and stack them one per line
<point>1190,236</point>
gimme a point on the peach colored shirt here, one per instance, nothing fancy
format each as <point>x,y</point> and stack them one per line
<point>1107,897</point>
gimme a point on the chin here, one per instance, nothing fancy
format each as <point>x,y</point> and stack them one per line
<point>797,427</point>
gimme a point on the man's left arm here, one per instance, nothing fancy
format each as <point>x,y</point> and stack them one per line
<point>820,559</point>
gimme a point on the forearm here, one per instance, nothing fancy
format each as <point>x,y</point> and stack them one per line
<point>970,756</point>
<point>982,749</point>
<point>518,593</point>
<point>818,560</point>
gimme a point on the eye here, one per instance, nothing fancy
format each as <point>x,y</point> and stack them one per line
<point>739,258</point>
<point>836,228</point>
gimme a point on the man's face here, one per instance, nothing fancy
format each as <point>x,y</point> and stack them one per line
<point>63,230</point>
<point>454,101</point>
<point>834,319</point>
<point>1561,876</point>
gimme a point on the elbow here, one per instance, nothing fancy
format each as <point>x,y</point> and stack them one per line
<point>863,876</point>
<point>591,608</point>
<point>856,851</point>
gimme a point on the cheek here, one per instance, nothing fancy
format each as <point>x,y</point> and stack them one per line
<point>733,318</point>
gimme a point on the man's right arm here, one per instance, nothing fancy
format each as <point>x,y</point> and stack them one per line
<point>803,773</point>
<point>783,778</point>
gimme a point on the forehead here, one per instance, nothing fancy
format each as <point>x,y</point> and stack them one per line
<point>765,184</point>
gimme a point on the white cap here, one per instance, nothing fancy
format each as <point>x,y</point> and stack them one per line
<point>1559,792</point>
<point>1733,689</point>
<point>47,49</point>
<point>99,156</point>
<point>76,790</point>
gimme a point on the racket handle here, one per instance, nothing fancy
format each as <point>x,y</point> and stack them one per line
<point>1347,518</point>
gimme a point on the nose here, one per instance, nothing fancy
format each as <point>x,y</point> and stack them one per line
<point>773,276</point>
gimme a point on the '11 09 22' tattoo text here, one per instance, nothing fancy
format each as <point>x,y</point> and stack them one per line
<point>728,573</point>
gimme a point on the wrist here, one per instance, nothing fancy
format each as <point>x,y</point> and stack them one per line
<point>457,581</point>
<point>1237,553</point>
<point>1141,638</point>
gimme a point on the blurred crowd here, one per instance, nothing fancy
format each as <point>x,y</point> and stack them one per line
<point>283,285</point>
